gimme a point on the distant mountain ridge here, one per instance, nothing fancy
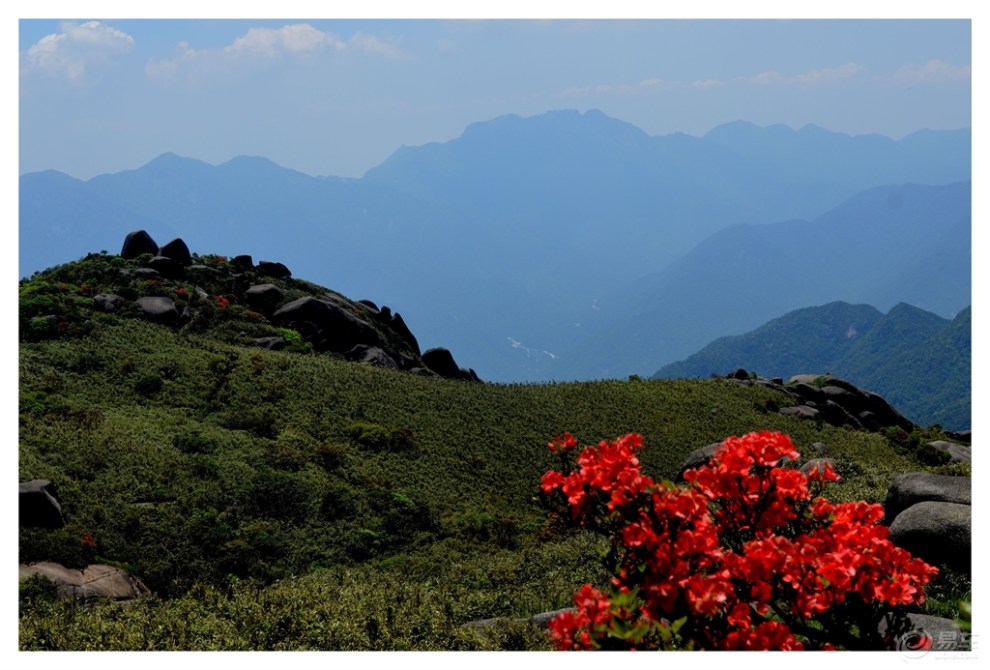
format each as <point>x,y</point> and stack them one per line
<point>863,251</point>
<point>522,238</point>
<point>919,361</point>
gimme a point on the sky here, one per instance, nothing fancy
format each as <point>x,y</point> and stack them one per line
<point>337,97</point>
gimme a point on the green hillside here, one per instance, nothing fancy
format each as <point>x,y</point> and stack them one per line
<point>296,500</point>
<point>918,361</point>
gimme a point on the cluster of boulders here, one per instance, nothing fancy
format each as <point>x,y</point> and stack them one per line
<point>931,516</point>
<point>359,331</point>
<point>831,400</point>
<point>837,402</point>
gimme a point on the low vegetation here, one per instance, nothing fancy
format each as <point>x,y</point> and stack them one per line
<point>289,500</point>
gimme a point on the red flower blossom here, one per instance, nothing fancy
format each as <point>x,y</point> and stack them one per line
<point>744,541</point>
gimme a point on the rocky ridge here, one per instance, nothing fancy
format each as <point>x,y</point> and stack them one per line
<point>170,286</point>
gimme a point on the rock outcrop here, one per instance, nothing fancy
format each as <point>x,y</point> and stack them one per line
<point>90,583</point>
<point>938,532</point>
<point>178,251</point>
<point>831,400</point>
<point>137,243</point>
<point>356,330</point>
<point>158,309</point>
<point>38,505</point>
<point>914,487</point>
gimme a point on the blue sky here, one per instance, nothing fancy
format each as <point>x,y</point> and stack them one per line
<point>336,97</point>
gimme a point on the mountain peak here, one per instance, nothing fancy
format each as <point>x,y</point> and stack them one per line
<point>551,124</point>
<point>171,163</point>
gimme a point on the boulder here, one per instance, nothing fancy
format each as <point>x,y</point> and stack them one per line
<point>803,379</point>
<point>264,297</point>
<point>203,270</point>
<point>441,361</point>
<point>147,273</point>
<point>95,581</point>
<point>242,262</point>
<point>331,328</point>
<point>698,458</point>
<point>965,436</point>
<point>38,505</point>
<point>915,487</point>
<point>842,403</point>
<point>177,251</point>
<point>271,269</point>
<point>402,330</point>
<point>159,309</point>
<point>273,342</point>
<point>370,305</point>
<point>541,620</point>
<point>167,267</point>
<point>885,413</point>
<point>835,414</point>
<point>957,453</point>
<point>374,356</point>
<point>937,532</point>
<point>808,392</point>
<point>800,411</point>
<point>108,302</point>
<point>138,242</point>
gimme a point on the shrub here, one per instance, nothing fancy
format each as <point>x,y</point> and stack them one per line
<point>36,590</point>
<point>290,336</point>
<point>744,557</point>
<point>338,503</point>
<point>364,543</point>
<point>280,495</point>
<point>194,442</point>
<point>260,421</point>
<point>378,438</point>
<point>485,527</point>
<point>148,385</point>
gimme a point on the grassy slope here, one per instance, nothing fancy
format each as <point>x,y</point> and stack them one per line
<point>233,481</point>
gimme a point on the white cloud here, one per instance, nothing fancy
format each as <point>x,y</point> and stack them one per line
<point>297,39</point>
<point>763,79</point>
<point>826,75</point>
<point>809,78</point>
<point>77,49</point>
<point>302,39</point>
<point>371,44</point>
<point>933,70</point>
<point>577,92</point>
<point>166,69</point>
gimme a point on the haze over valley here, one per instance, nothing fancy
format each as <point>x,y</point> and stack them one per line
<point>567,245</point>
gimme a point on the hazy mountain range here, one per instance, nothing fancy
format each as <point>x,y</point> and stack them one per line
<point>917,360</point>
<point>566,245</point>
